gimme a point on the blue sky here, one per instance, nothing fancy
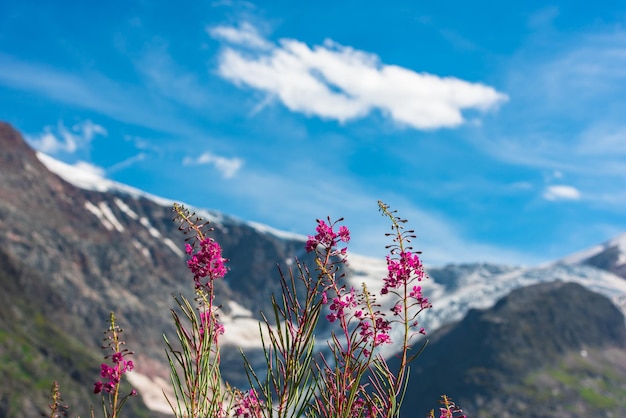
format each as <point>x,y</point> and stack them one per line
<point>498,130</point>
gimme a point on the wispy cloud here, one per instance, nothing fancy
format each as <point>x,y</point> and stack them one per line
<point>341,83</point>
<point>561,192</point>
<point>126,163</point>
<point>228,167</point>
<point>167,78</point>
<point>61,139</point>
<point>245,35</point>
<point>93,91</point>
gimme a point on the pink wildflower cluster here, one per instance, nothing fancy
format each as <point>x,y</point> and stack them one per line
<point>339,304</point>
<point>420,300</point>
<point>362,409</point>
<point>113,374</point>
<point>248,405</point>
<point>328,238</point>
<point>376,330</point>
<point>402,270</point>
<point>373,327</point>
<point>206,263</point>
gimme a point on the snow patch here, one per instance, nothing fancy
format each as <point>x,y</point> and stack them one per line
<point>156,234</point>
<point>170,244</point>
<point>368,270</point>
<point>89,180</point>
<point>579,257</point>
<point>108,214</point>
<point>236,310</point>
<point>152,230</point>
<point>98,213</point>
<point>151,391</point>
<point>265,229</point>
<point>619,241</point>
<point>242,332</point>
<point>125,208</point>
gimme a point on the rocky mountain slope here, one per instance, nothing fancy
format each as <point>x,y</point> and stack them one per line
<point>96,252</point>
<point>85,246</point>
<point>34,351</point>
<point>547,350</point>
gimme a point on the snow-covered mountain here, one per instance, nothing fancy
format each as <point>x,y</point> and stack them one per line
<point>454,289</point>
<point>610,256</point>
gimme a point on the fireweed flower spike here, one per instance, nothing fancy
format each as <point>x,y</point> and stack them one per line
<point>194,362</point>
<point>57,408</point>
<point>361,328</point>
<point>112,373</point>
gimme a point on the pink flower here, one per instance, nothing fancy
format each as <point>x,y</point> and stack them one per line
<point>397,309</point>
<point>344,234</point>
<point>97,387</point>
<point>207,262</point>
<point>248,405</point>
<point>402,270</point>
<point>117,357</point>
<point>327,238</point>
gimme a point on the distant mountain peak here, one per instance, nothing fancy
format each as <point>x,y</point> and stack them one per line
<point>609,256</point>
<point>13,144</point>
<point>15,154</point>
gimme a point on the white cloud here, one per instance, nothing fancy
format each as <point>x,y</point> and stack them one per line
<point>561,192</point>
<point>61,139</point>
<point>245,35</point>
<point>228,167</point>
<point>338,82</point>
<point>89,130</point>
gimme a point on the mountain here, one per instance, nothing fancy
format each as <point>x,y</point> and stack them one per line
<point>75,246</point>
<point>85,251</point>
<point>609,256</point>
<point>547,350</point>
